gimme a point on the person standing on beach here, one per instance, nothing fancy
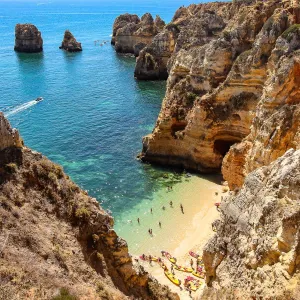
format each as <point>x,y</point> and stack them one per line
<point>151,210</point>
<point>138,219</point>
<point>181,207</point>
<point>159,224</point>
<point>192,263</point>
<point>171,203</point>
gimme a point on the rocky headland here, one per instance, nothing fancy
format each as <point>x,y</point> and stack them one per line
<point>56,242</point>
<point>69,43</point>
<point>28,39</point>
<point>232,90</point>
<point>131,34</point>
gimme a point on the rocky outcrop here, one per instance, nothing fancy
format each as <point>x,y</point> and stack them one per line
<point>9,137</point>
<point>191,26</point>
<point>275,127</point>
<point>131,34</point>
<point>55,239</point>
<point>69,43</point>
<point>28,39</point>
<point>255,252</point>
<point>215,85</point>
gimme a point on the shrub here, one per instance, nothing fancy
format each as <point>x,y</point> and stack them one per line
<point>82,213</point>
<point>191,97</point>
<point>11,168</point>
<point>292,29</point>
<point>64,295</point>
<point>52,176</point>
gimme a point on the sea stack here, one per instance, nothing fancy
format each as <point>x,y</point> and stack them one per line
<point>28,39</point>
<point>69,43</point>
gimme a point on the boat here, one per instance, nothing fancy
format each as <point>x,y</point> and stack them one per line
<point>39,99</point>
<point>173,260</point>
<point>183,269</point>
<point>172,278</point>
<point>193,254</point>
<point>197,274</point>
<point>147,258</point>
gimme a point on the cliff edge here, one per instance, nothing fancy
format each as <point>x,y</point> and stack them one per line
<point>255,253</point>
<point>55,240</point>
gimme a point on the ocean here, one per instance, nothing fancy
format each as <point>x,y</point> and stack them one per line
<point>94,112</point>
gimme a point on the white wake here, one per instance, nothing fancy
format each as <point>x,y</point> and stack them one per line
<point>20,108</point>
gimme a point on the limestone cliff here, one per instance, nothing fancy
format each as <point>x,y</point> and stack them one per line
<point>55,239</point>
<point>217,83</point>
<point>131,34</point>
<point>28,39</point>
<point>255,253</point>
<point>69,43</point>
<point>275,127</point>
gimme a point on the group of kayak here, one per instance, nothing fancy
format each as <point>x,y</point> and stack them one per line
<point>190,282</point>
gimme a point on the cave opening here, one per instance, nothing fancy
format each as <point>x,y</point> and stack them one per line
<point>223,146</point>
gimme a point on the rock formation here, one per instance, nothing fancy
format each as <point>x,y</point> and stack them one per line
<point>69,43</point>
<point>55,239</point>
<point>191,26</point>
<point>131,34</point>
<point>28,39</point>
<point>255,253</point>
<point>240,72</point>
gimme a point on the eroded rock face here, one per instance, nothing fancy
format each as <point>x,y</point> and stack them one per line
<point>275,127</point>
<point>131,34</point>
<point>191,26</point>
<point>255,252</point>
<point>69,43</point>
<point>9,137</point>
<point>54,236</point>
<point>215,85</point>
<point>28,39</point>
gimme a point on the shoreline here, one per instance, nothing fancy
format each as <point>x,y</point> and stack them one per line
<point>180,232</point>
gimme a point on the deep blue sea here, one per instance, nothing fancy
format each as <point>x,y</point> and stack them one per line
<point>94,112</point>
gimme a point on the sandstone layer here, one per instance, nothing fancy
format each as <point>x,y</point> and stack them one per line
<point>69,43</point>
<point>131,34</point>
<point>239,73</point>
<point>255,253</point>
<point>55,240</point>
<point>28,39</point>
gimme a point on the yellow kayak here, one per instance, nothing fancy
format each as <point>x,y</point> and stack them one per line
<point>172,278</point>
<point>194,287</point>
<point>183,269</point>
<point>200,275</point>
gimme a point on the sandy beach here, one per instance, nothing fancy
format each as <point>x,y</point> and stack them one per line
<point>179,232</point>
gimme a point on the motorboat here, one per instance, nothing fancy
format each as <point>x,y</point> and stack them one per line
<point>39,99</point>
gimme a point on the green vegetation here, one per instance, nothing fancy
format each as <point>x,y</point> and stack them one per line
<point>191,97</point>
<point>11,168</point>
<point>292,29</point>
<point>64,295</point>
<point>171,26</point>
<point>82,213</point>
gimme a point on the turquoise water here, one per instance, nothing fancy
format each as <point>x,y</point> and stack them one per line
<point>94,113</point>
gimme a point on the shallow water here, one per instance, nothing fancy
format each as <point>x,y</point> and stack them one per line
<point>94,113</point>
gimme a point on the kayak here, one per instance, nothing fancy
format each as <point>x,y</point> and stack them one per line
<point>183,269</point>
<point>146,258</point>
<point>200,275</point>
<point>193,286</point>
<point>193,254</point>
<point>172,278</point>
<point>169,257</point>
